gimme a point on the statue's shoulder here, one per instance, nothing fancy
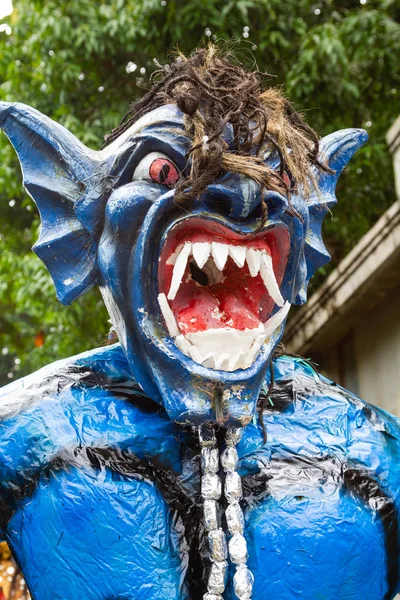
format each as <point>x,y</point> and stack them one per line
<point>304,396</point>
<point>98,368</point>
<point>323,492</point>
<point>309,417</point>
<point>89,400</point>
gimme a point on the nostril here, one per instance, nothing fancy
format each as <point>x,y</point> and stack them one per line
<point>256,214</point>
<point>219,199</point>
<point>276,203</point>
<point>236,196</point>
<point>240,198</point>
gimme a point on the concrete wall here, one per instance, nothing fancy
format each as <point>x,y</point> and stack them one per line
<point>377,354</point>
<point>367,360</point>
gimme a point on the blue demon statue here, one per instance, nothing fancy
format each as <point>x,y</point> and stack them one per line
<point>193,459</point>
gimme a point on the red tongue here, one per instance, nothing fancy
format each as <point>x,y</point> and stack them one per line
<point>239,312</point>
<point>197,309</point>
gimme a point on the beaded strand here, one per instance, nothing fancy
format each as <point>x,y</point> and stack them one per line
<point>211,490</point>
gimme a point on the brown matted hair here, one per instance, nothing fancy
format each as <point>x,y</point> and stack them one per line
<point>213,89</point>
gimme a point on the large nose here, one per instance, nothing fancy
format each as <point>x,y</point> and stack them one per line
<point>240,197</point>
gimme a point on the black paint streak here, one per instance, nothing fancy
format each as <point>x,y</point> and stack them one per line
<point>60,538</point>
<point>186,512</point>
<point>128,390</point>
<point>359,483</point>
<point>281,397</point>
<point>363,486</point>
<point>7,508</point>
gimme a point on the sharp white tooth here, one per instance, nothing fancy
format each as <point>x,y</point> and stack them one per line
<point>206,357</point>
<point>237,361</point>
<point>238,255</point>
<point>201,252</point>
<point>225,340</point>
<point>253,258</point>
<point>255,349</point>
<point>268,277</point>
<point>274,322</point>
<point>209,361</point>
<point>183,344</point>
<point>179,269</point>
<point>195,354</point>
<point>222,362</point>
<point>220,254</point>
<point>168,316</point>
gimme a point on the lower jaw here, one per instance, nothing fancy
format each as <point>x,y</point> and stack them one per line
<point>225,348</point>
<point>193,394</point>
<point>223,398</point>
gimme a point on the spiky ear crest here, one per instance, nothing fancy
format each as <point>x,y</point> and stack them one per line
<point>336,150</point>
<point>62,177</point>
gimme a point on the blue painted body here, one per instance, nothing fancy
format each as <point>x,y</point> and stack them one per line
<point>90,530</point>
<point>99,459</point>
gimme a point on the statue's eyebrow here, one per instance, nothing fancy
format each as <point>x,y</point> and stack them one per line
<point>168,137</point>
<point>172,136</point>
<point>168,132</point>
<point>170,126</point>
<point>172,130</point>
<point>163,118</point>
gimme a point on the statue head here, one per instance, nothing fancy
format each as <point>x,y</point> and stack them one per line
<point>200,221</point>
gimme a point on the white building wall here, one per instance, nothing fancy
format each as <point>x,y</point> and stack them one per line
<point>377,353</point>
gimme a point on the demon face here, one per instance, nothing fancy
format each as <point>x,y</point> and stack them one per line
<point>198,296</point>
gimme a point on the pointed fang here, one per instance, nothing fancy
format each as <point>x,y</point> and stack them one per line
<point>276,321</point>
<point>220,254</point>
<point>201,252</point>
<point>183,345</point>
<point>253,258</point>
<point>222,362</point>
<point>168,316</point>
<point>268,277</point>
<point>238,255</point>
<point>179,270</point>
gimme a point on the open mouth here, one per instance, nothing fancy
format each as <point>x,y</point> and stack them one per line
<point>220,291</point>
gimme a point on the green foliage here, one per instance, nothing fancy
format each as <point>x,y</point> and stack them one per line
<point>338,61</point>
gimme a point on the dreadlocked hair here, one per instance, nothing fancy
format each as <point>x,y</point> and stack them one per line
<point>212,90</point>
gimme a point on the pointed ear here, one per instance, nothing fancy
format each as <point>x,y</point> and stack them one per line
<point>64,178</point>
<point>336,150</point>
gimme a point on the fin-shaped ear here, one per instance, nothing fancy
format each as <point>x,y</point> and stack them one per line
<point>336,150</point>
<point>64,178</point>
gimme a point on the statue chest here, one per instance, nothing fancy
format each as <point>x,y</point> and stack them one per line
<point>116,531</point>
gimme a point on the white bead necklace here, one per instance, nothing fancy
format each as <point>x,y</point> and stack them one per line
<point>211,490</point>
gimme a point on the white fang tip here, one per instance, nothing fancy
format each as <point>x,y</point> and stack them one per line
<point>276,321</point>
<point>179,270</point>
<point>220,254</point>
<point>253,258</point>
<point>238,255</point>
<point>168,316</point>
<point>201,252</point>
<point>268,277</point>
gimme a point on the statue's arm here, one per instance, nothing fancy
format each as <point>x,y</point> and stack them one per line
<point>34,428</point>
<point>69,406</point>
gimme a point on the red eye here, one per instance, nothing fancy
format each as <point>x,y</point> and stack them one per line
<point>163,171</point>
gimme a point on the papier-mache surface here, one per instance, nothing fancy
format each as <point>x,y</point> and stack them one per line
<point>84,449</point>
